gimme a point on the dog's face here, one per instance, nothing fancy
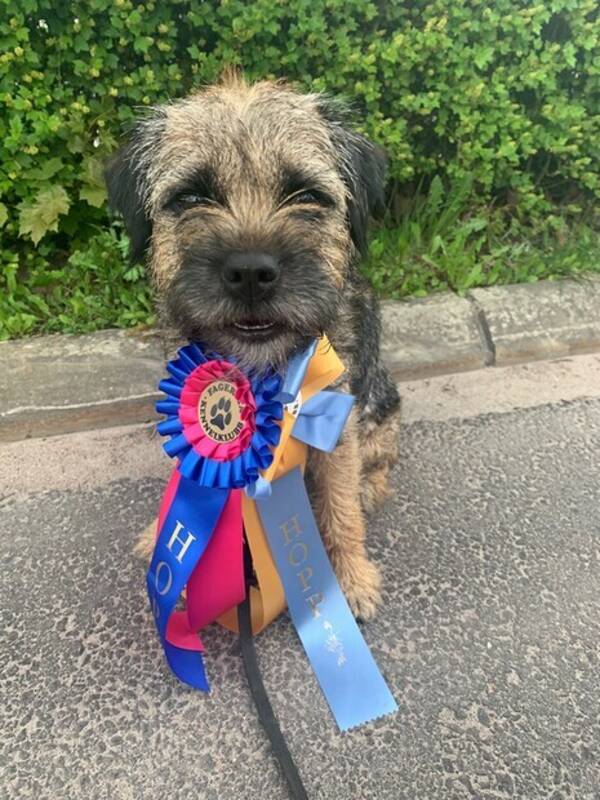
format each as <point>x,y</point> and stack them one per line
<point>254,203</point>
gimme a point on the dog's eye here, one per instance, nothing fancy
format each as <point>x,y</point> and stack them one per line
<point>304,197</point>
<point>190,199</point>
<point>308,197</point>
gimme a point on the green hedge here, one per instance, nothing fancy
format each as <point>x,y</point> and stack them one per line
<point>504,94</point>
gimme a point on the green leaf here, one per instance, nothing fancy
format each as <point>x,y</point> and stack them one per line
<point>93,190</point>
<point>482,56</point>
<point>16,127</point>
<point>3,214</point>
<point>46,171</point>
<point>41,216</point>
<point>94,195</point>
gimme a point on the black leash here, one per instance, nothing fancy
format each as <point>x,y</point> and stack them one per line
<point>263,705</point>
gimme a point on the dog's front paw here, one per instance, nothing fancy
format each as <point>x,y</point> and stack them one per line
<point>360,581</point>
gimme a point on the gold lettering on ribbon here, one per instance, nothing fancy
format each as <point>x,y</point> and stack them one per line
<point>298,555</point>
<point>304,576</point>
<point>291,525</point>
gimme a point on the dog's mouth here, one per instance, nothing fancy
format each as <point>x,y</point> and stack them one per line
<point>256,329</point>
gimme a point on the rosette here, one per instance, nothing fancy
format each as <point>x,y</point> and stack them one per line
<point>222,424</point>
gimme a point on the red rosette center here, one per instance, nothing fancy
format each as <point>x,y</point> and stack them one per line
<point>217,411</point>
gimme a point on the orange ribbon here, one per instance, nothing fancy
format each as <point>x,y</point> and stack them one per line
<point>267,599</point>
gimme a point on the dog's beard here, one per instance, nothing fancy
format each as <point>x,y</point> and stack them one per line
<point>303,307</point>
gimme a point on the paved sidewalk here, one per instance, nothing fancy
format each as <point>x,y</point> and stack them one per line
<point>488,635</point>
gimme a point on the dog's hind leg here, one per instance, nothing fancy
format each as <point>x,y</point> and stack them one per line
<point>144,546</point>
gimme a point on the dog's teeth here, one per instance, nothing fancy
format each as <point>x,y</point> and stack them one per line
<point>255,327</point>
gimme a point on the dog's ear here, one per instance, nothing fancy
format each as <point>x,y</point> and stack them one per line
<point>363,167</point>
<point>126,195</point>
<point>366,172</point>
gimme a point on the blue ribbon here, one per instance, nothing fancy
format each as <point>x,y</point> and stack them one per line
<point>349,677</point>
<point>294,375</point>
<point>194,508</point>
<point>322,419</point>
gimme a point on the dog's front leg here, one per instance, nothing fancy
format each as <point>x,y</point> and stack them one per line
<point>337,505</point>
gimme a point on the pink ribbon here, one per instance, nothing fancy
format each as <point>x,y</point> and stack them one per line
<point>217,582</point>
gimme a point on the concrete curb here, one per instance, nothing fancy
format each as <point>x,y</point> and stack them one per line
<point>60,384</point>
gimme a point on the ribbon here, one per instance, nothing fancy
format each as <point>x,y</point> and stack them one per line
<point>322,418</point>
<point>348,675</point>
<point>176,553</point>
<point>234,436</point>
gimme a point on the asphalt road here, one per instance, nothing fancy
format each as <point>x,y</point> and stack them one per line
<point>489,635</point>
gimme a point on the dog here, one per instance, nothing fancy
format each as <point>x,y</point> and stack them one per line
<point>252,204</point>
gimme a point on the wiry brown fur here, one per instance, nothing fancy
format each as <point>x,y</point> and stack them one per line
<point>250,151</point>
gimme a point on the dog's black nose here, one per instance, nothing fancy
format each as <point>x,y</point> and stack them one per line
<point>250,276</point>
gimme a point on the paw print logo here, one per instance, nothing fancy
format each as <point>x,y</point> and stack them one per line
<point>220,413</point>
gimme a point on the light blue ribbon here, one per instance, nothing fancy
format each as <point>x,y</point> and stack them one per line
<point>321,419</point>
<point>347,673</point>
<point>294,376</point>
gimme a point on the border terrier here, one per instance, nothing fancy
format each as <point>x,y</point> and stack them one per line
<point>252,204</point>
